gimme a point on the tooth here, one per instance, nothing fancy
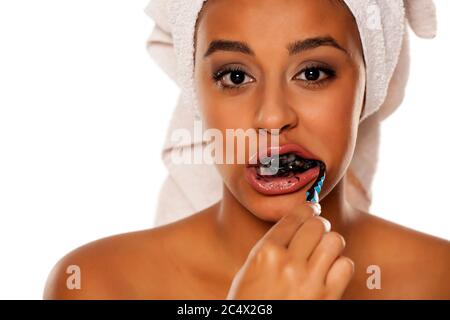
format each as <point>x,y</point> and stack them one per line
<point>267,171</point>
<point>266,161</point>
<point>309,164</point>
<point>275,162</point>
<point>291,157</point>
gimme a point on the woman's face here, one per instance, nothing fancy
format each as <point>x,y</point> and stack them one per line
<point>312,92</point>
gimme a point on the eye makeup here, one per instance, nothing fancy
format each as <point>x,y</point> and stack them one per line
<point>316,76</point>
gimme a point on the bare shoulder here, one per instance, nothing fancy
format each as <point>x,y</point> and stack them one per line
<point>416,264</point>
<point>132,265</point>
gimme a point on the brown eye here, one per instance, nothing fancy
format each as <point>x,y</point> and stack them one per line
<point>236,77</point>
<point>313,74</point>
<point>232,78</point>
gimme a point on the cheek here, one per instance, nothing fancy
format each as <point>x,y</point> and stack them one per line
<point>223,109</point>
<point>339,131</point>
<point>337,120</point>
<point>219,110</point>
<point>210,105</point>
<point>215,108</point>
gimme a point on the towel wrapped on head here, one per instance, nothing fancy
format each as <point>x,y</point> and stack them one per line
<point>382,26</point>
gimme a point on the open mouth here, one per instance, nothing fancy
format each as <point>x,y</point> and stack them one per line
<point>284,165</point>
<point>286,170</point>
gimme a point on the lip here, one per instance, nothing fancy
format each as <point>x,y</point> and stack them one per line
<point>285,148</point>
<point>280,185</point>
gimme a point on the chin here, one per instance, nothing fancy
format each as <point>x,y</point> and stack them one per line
<point>273,208</point>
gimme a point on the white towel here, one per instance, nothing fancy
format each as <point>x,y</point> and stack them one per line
<point>382,26</point>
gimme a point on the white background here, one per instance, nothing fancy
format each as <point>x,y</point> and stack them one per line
<point>84,110</point>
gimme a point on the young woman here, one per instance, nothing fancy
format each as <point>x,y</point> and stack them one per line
<point>256,244</point>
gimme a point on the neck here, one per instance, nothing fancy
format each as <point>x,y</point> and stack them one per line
<point>238,229</point>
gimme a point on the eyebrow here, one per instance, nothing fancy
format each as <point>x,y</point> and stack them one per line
<point>293,47</point>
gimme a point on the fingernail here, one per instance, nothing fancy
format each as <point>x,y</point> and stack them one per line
<point>326,223</point>
<point>317,208</point>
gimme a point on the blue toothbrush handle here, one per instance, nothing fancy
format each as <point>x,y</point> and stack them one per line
<point>312,195</point>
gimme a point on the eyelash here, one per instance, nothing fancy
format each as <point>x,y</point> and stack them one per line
<point>218,75</point>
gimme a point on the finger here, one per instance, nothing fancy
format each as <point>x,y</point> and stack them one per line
<point>282,232</point>
<point>308,237</point>
<point>327,251</point>
<point>339,276</point>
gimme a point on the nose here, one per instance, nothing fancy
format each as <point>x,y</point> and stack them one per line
<point>274,111</point>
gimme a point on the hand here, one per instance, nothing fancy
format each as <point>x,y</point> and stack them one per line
<point>298,258</point>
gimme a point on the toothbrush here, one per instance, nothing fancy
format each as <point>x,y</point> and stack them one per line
<point>312,195</point>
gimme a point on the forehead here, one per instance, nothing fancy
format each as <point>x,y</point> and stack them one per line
<point>276,22</point>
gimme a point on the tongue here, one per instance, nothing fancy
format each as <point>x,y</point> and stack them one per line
<point>279,181</point>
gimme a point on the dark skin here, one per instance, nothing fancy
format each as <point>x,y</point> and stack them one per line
<point>198,257</point>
